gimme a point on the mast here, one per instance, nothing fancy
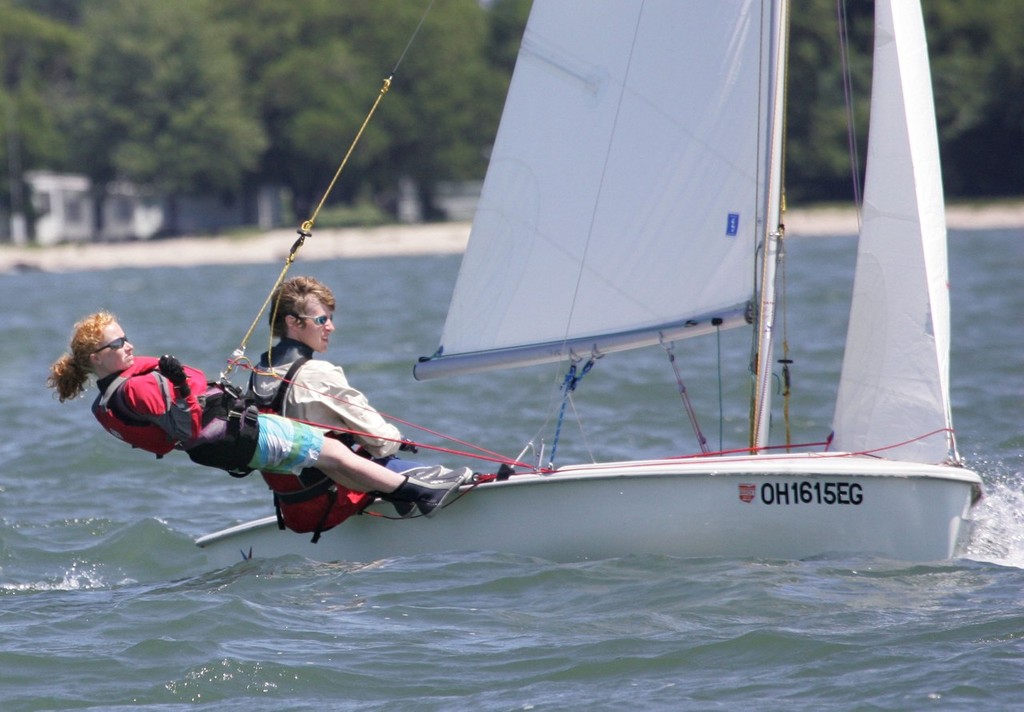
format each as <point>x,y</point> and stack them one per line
<point>773,230</point>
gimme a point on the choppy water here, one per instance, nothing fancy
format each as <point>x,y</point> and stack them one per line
<point>106,604</point>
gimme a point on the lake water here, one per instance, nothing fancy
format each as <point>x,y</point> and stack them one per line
<point>105,603</point>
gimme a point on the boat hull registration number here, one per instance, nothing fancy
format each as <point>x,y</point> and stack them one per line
<point>827,493</point>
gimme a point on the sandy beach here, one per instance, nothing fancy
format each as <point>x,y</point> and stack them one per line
<point>392,240</point>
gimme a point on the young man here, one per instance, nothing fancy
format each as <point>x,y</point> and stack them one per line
<point>302,319</point>
<point>288,381</point>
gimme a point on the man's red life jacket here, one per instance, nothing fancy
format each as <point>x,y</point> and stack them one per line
<point>310,501</point>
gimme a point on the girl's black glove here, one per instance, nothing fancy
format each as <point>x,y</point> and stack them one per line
<point>172,370</point>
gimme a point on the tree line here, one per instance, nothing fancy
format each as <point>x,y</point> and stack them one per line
<point>221,96</point>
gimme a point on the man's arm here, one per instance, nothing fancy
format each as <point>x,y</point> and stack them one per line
<point>321,394</point>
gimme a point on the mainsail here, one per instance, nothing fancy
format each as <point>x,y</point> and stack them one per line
<point>894,386</point>
<point>621,205</point>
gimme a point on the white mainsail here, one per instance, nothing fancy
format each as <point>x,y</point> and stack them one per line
<point>621,203</point>
<point>894,391</point>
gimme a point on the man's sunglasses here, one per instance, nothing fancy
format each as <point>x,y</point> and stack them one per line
<point>318,320</point>
<point>115,345</point>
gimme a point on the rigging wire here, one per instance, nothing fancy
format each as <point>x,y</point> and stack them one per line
<point>721,398</point>
<point>685,396</point>
<point>306,229</point>
<point>572,379</point>
<point>851,127</point>
<point>785,361</point>
<point>583,432</point>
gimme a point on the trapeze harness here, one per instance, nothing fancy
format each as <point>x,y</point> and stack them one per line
<point>309,501</point>
<point>228,430</point>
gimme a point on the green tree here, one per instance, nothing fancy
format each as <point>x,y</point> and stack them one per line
<point>448,99</point>
<point>318,66</point>
<point>506,20</point>
<point>35,55</point>
<point>159,99</point>
<point>977,63</point>
<point>310,88</point>
<point>820,139</point>
<point>216,95</point>
<point>978,75</point>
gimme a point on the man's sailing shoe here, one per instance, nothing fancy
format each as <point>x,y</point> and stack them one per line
<point>404,509</point>
<point>431,475</point>
<point>428,495</point>
<point>434,474</point>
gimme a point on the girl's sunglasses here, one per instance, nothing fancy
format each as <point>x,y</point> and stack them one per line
<point>115,345</point>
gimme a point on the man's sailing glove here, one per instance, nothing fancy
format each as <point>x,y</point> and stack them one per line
<point>172,370</point>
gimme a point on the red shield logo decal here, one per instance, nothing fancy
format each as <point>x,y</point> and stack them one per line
<point>747,493</point>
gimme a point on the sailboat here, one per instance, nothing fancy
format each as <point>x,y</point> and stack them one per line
<point>634,198</point>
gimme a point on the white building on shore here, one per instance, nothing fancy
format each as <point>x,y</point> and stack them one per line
<point>63,207</point>
<point>66,208</point>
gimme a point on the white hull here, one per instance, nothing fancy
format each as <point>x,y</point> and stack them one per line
<point>787,507</point>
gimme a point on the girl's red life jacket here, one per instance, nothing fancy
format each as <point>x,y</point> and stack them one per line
<point>171,420</point>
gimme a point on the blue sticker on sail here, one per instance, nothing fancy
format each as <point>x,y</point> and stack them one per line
<point>732,226</point>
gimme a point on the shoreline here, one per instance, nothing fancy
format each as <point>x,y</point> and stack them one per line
<point>391,241</point>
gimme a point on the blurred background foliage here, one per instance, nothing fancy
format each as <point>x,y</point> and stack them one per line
<point>221,96</point>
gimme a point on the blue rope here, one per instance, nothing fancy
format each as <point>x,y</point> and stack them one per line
<point>568,386</point>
